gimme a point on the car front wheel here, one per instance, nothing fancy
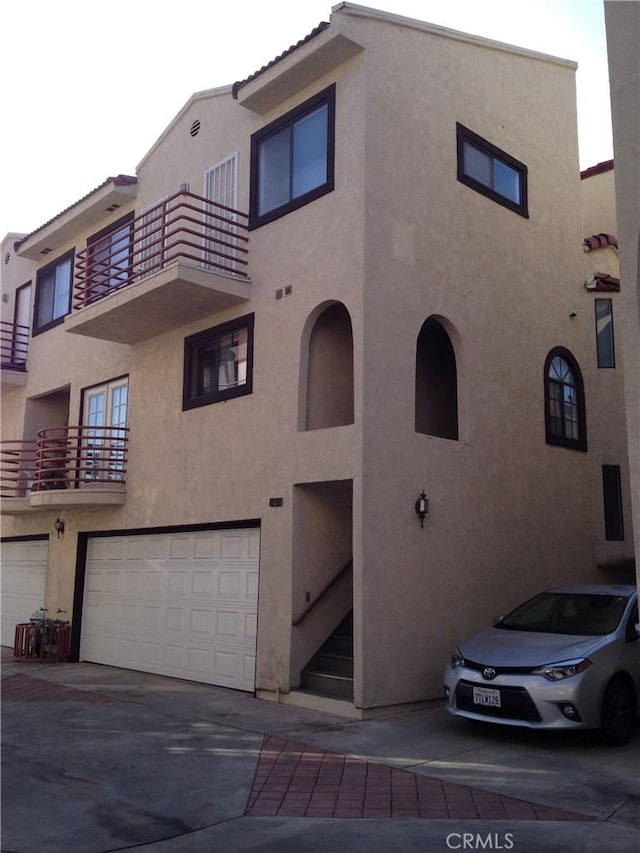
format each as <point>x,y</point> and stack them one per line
<point>617,718</point>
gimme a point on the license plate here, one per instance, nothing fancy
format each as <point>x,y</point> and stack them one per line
<point>486,696</point>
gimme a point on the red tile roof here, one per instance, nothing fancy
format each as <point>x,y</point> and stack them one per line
<point>604,166</point>
<point>604,283</point>
<point>118,181</point>
<point>315,32</point>
<point>600,241</point>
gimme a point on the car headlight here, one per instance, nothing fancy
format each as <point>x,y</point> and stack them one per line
<point>456,659</point>
<point>565,669</point>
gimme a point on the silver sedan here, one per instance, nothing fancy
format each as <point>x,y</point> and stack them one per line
<point>569,658</point>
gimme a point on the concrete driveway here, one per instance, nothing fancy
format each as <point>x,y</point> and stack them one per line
<point>99,759</point>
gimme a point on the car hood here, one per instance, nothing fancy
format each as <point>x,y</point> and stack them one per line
<point>506,648</point>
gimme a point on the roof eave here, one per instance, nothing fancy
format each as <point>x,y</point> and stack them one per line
<point>89,211</point>
<point>295,69</point>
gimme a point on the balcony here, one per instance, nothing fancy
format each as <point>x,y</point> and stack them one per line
<point>179,261</point>
<point>69,467</point>
<point>14,343</point>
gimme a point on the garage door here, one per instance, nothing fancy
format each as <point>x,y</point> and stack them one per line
<point>179,604</point>
<point>24,569</point>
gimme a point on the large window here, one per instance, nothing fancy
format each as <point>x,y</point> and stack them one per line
<point>490,171</point>
<point>218,363</point>
<point>604,333</point>
<point>292,159</point>
<point>565,420</point>
<point>53,294</point>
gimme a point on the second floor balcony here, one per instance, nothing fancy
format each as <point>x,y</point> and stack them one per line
<point>14,342</point>
<point>64,467</point>
<point>182,259</point>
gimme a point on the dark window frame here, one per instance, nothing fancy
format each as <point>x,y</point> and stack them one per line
<point>606,355</point>
<point>194,342</point>
<point>326,96</point>
<point>122,223</point>
<point>564,440</point>
<point>40,275</point>
<point>612,503</point>
<point>20,346</point>
<point>463,134</point>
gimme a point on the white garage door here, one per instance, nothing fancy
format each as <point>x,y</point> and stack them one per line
<point>24,569</point>
<point>178,604</point>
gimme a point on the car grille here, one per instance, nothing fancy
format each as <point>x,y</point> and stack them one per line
<point>515,703</point>
<point>499,670</point>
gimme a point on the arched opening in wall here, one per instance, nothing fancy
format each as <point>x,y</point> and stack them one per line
<point>436,382</point>
<point>329,387</point>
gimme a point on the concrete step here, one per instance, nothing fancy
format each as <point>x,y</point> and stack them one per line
<point>324,684</point>
<point>332,664</point>
<point>338,644</point>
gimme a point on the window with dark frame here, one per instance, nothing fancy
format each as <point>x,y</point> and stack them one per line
<point>492,172</point>
<point>292,159</point>
<point>53,294</point>
<point>565,419</point>
<point>109,258</point>
<point>612,499</point>
<point>604,333</point>
<point>218,363</point>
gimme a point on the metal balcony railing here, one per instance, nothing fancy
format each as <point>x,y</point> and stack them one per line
<point>66,457</point>
<point>183,227</point>
<point>14,343</point>
<point>17,467</point>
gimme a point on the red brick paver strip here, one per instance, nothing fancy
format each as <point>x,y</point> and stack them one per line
<point>296,780</point>
<point>26,688</point>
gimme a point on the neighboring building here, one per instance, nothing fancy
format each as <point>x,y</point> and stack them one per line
<point>233,415</point>
<point>623,44</point>
<point>603,284</point>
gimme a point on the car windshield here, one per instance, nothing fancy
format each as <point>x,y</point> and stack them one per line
<point>567,613</point>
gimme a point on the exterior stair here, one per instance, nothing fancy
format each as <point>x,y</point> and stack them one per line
<point>330,670</point>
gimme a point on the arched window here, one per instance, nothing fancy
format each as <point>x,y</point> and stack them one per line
<point>565,422</point>
<point>329,380</point>
<point>436,382</point>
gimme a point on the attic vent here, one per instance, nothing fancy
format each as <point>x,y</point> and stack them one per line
<point>45,251</point>
<point>113,207</point>
<point>7,258</point>
<point>195,128</point>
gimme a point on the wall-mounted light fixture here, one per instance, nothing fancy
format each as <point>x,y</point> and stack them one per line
<point>58,526</point>
<point>422,507</point>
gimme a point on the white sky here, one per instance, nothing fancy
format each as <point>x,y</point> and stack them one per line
<point>87,88</point>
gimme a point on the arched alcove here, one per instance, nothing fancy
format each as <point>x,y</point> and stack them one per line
<point>329,365</point>
<point>436,411</point>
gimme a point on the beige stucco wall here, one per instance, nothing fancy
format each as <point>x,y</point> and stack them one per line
<point>598,193</point>
<point>398,240</point>
<point>507,511</point>
<point>623,44</point>
<point>14,272</point>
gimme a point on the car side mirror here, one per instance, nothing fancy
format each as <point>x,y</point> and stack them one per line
<point>633,633</point>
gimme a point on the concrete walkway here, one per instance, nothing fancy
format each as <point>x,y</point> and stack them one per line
<point>99,759</point>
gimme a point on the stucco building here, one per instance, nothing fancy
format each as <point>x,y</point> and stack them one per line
<point>623,46</point>
<point>329,360</point>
